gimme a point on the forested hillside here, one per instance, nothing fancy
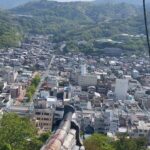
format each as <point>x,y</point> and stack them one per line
<point>121,23</point>
<point>135,2</point>
<point>50,17</point>
<point>6,4</point>
<point>9,33</point>
<point>94,24</point>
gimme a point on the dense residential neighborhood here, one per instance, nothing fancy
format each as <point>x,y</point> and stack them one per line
<point>109,94</point>
<point>74,75</point>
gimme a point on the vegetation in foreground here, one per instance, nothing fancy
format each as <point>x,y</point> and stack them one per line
<point>102,142</point>
<point>18,133</point>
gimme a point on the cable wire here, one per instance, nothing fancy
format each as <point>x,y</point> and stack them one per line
<point>146,26</point>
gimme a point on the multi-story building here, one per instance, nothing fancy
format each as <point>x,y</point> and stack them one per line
<point>121,88</point>
<point>15,91</point>
<point>142,129</point>
<point>106,122</point>
<point>11,77</point>
<point>43,115</point>
<point>21,110</point>
<point>52,81</point>
<point>87,80</point>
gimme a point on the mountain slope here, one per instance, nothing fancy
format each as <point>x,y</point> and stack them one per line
<point>90,22</point>
<point>6,4</point>
<point>134,2</point>
<point>54,17</point>
<point>9,34</point>
<point>85,21</point>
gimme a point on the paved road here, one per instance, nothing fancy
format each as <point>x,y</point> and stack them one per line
<point>43,78</point>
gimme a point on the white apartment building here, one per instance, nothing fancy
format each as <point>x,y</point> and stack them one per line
<point>121,88</point>
<point>141,129</point>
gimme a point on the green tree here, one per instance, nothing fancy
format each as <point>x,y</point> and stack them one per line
<point>10,34</point>
<point>98,142</point>
<point>5,147</point>
<point>130,144</point>
<point>32,88</point>
<point>43,137</point>
<point>36,80</point>
<point>15,132</point>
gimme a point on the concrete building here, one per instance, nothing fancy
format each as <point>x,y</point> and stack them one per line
<point>107,122</point>
<point>15,91</point>
<point>121,88</point>
<point>52,81</point>
<point>75,90</point>
<point>58,115</point>
<point>67,95</point>
<point>87,80</point>
<point>135,74</point>
<point>44,94</point>
<point>83,69</point>
<point>12,76</point>
<point>142,129</point>
<point>22,110</point>
<point>3,85</point>
<point>43,115</point>
<point>134,84</point>
<point>52,101</point>
<point>5,100</point>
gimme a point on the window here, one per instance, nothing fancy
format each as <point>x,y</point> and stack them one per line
<point>46,114</point>
<point>37,113</point>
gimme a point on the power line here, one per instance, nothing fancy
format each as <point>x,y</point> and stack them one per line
<point>146,26</point>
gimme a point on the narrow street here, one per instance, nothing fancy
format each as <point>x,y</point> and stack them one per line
<point>43,78</point>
